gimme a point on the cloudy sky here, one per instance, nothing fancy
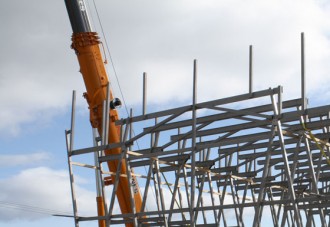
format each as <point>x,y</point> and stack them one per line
<point>38,72</point>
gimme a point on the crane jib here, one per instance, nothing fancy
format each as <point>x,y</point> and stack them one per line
<point>78,16</point>
<point>86,42</point>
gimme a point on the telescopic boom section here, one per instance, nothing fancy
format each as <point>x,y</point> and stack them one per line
<point>86,44</point>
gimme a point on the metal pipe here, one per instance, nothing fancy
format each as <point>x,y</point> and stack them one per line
<point>104,136</point>
<point>279,100</point>
<point>102,203</point>
<point>287,172</point>
<point>160,189</point>
<point>193,155</point>
<point>97,164</point>
<point>104,142</point>
<point>147,185</point>
<point>73,119</point>
<point>251,69</point>
<point>115,186</point>
<point>303,84</point>
<point>69,142</point>
<point>258,207</point>
<point>130,127</point>
<point>144,93</point>
<point>107,115</point>
<point>132,185</point>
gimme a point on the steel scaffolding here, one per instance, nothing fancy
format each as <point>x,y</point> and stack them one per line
<point>238,161</point>
<point>220,158</point>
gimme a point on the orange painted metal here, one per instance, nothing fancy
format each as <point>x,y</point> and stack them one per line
<point>87,48</point>
<point>100,210</point>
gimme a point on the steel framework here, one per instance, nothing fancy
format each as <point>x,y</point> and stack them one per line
<point>226,160</point>
<point>246,160</point>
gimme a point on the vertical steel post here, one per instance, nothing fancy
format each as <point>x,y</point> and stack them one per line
<point>105,130</point>
<point>156,191</point>
<point>107,116</point>
<point>147,185</point>
<point>303,84</point>
<point>73,119</point>
<point>288,174</point>
<point>186,184</point>
<point>105,206</point>
<point>200,186</point>
<point>97,164</point>
<point>233,194</point>
<point>144,110</point>
<point>251,69</point>
<point>314,181</point>
<point>212,198</point>
<point>130,127</point>
<point>115,187</point>
<point>69,150</point>
<point>98,181</point>
<point>258,207</point>
<point>222,201</point>
<point>176,188</point>
<point>161,194</point>
<point>131,192</point>
<point>193,145</point>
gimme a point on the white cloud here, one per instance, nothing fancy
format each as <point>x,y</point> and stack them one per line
<point>218,35</point>
<point>37,193</point>
<point>38,70</point>
<point>7,160</point>
<point>35,84</point>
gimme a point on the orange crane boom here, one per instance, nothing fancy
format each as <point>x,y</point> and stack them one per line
<point>86,45</point>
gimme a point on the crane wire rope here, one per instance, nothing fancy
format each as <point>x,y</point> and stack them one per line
<point>103,49</point>
<point>117,79</point>
<point>110,57</point>
<point>33,209</point>
<point>119,86</point>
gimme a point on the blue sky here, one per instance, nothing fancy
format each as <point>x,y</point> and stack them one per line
<point>38,72</point>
